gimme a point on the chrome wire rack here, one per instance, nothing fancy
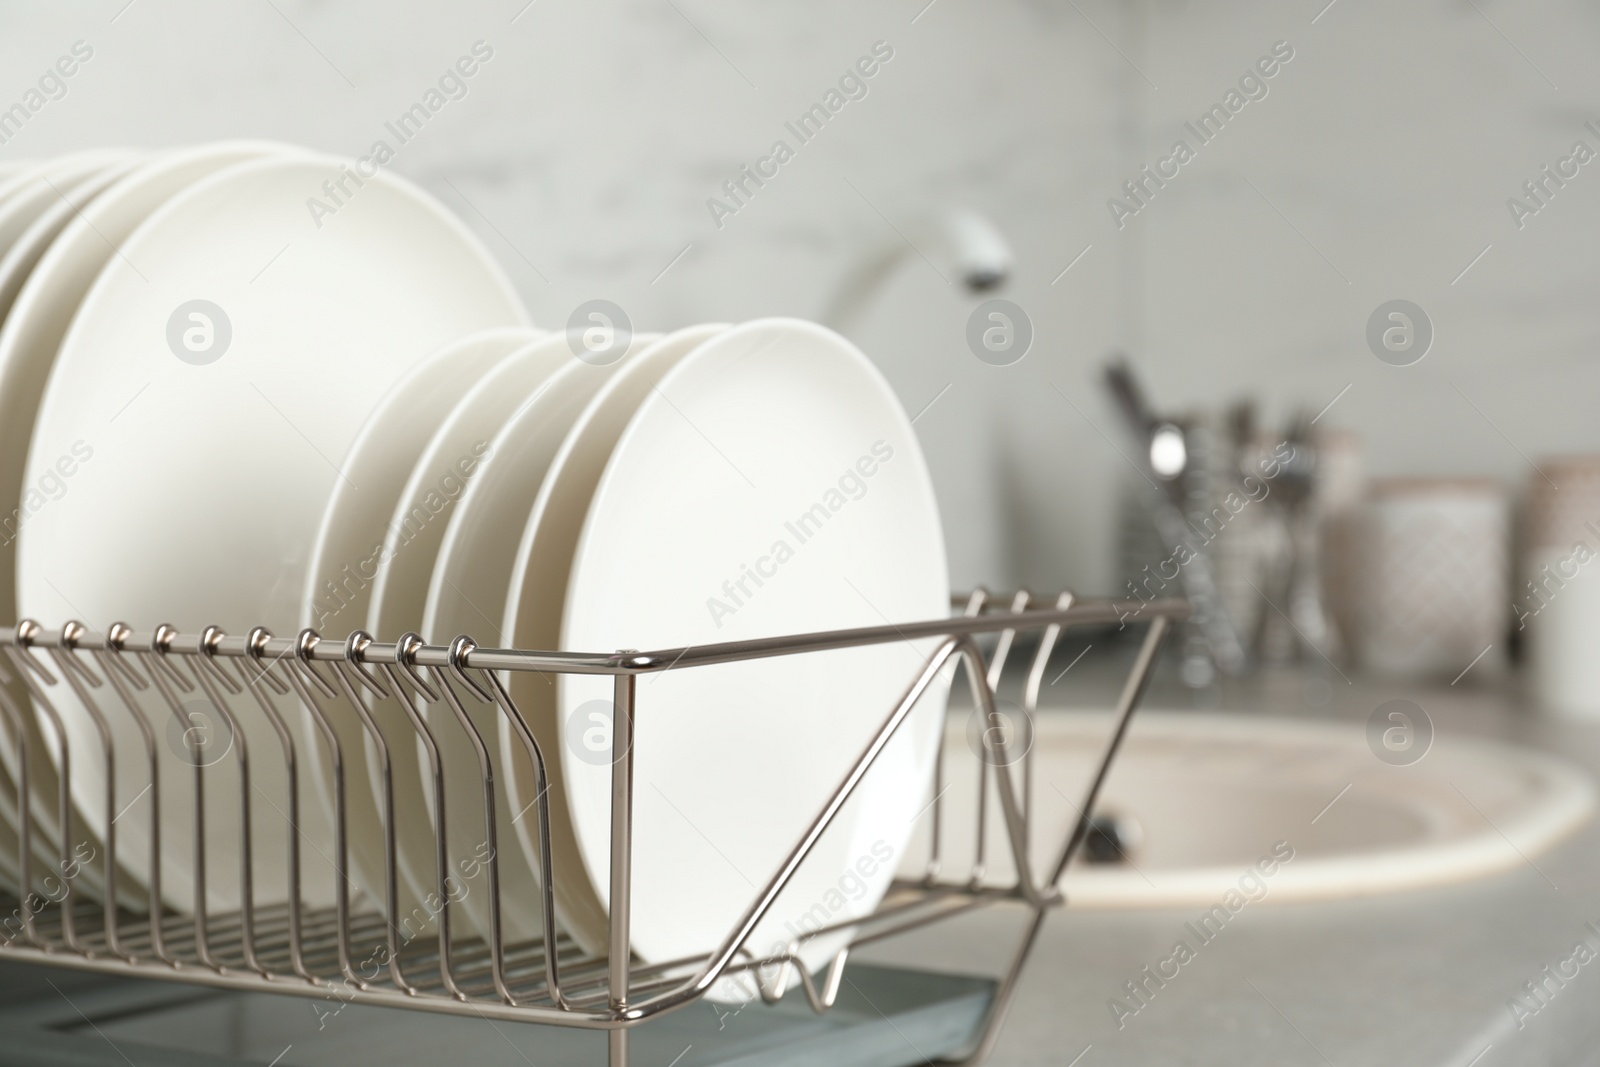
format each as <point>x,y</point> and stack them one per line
<point>348,951</point>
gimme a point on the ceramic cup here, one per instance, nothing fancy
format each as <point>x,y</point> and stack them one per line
<point>1432,577</point>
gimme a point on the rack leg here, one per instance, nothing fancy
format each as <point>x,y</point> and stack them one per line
<point>1132,694</point>
<point>1002,997</point>
<point>619,948</point>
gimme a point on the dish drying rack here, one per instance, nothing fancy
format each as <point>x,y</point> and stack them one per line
<point>349,951</point>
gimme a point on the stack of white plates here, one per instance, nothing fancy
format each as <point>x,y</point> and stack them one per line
<point>713,484</point>
<point>236,413</point>
<point>186,356</point>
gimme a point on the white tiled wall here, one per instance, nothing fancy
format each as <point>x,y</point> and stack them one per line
<point>1377,166</point>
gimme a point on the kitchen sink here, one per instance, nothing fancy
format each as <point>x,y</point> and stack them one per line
<point>1196,802</point>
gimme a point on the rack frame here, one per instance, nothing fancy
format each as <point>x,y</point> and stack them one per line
<point>311,952</point>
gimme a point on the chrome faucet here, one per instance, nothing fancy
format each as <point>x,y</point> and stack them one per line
<point>963,245</point>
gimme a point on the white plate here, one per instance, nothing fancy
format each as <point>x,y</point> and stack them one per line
<point>54,210</point>
<point>786,494</point>
<point>32,333</point>
<point>207,480</point>
<point>50,296</point>
<point>400,593</point>
<point>57,210</point>
<point>467,595</point>
<point>532,617</point>
<point>33,189</point>
<point>338,595</point>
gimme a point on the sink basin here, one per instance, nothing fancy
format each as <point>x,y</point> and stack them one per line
<point>1195,801</point>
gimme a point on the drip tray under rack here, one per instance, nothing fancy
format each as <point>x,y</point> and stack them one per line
<point>884,1017</point>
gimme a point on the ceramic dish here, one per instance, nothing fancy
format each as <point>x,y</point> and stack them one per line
<point>348,552</point>
<point>19,259</point>
<point>400,595</point>
<point>792,497</point>
<point>16,265</point>
<point>467,594</point>
<point>240,356</point>
<point>532,614</point>
<point>50,296</point>
<point>26,194</point>
<point>726,449</point>
<point>32,333</point>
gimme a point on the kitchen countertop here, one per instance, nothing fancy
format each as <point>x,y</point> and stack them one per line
<point>1419,978</point>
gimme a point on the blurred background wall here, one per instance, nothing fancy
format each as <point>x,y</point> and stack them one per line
<point>1377,166</point>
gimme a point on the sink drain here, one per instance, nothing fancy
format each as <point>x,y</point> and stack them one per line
<point>1111,837</point>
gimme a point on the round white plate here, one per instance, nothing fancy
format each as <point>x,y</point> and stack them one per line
<point>16,419</point>
<point>784,492</point>
<point>207,479</point>
<point>49,298</point>
<point>29,339</point>
<point>400,596</point>
<point>532,617</point>
<point>467,595</point>
<point>24,195</point>
<point>349,549</point>
<point>20,258</point>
